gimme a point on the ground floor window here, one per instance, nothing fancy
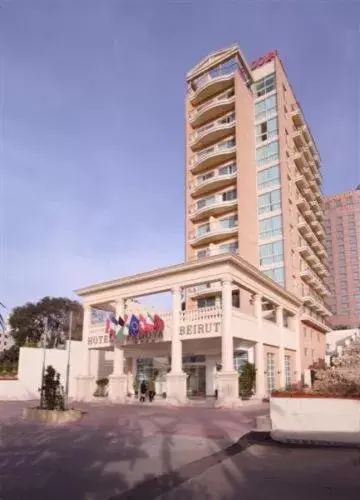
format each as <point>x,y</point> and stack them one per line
<point>270,368</point>
<point>240,358</point>
<point>287,372</point>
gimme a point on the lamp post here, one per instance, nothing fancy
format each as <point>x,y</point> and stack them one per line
<point>68,359</point>
<point>43,363</point>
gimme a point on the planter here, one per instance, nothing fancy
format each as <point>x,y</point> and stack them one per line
<point>312,418</point>
<point>51,416</point>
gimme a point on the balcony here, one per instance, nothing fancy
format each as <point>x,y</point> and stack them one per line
<point>214,205</point>
<point>295,114</point>
<point>298,135</point>
<point>312,259</point>
<point>212,109</point>
<point>211,84</point>
<point>215,179</point>
<point>205,290</point>
<point>209,157</point>
<point>212,232</point>
<point>212,132</point>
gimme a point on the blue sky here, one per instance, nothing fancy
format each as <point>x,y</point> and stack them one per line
<point>92,123</point>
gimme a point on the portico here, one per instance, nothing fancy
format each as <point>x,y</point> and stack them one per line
<point>266,320</point>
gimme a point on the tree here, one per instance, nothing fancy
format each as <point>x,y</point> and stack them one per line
<point>343,378</point>
<point>27,322</point>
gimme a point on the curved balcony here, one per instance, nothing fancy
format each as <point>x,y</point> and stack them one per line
<point>205,290</point>
<point>215,179</point>
<point>210,85</point>
<point>209,157</point>
<point>212,132</point>
<point>212,232</point>
<point>215,205</point>
<point>212,109</point>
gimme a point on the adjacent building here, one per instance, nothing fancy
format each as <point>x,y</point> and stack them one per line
<point>342,227</point>
<point>253,184</point>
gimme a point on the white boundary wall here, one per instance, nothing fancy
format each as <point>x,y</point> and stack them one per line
<point>29,372</point>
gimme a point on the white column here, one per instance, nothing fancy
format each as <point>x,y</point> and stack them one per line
<point>85,385</point>
<point>281,367</point>
<point>118,379</point>
<point>176,379</point>
<point>227,350</point>
<point>228,378</point>
<point>297,332</point>
<point>260,370</point>
<point>176,345</point>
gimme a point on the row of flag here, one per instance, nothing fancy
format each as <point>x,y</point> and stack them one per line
<point>133,325</point>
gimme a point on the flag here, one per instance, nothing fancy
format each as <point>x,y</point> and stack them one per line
<point>158,324</point>
<point>150,323</point>
<point>107,326</point>
<point>142,324</point>
<point>124,330</point>
<point>121,321</point>
<point>113,319</point>
<point>120,334</point>
<point>134,326</point>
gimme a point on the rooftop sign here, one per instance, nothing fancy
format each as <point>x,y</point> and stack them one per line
<point>263,60</point>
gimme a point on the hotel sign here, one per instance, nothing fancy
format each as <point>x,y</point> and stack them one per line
<point>263,60</point>
<point>96,341</point>
<point>201,329</point>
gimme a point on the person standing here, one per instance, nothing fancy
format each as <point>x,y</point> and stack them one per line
<point>151,390</point>
<point>142,391</point>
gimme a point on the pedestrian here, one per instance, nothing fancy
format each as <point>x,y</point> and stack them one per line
<point>143,389</point>
<point>151,390</point>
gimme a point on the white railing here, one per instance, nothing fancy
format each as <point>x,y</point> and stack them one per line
<point>210,203</point>
<point>212,176</point>
<point>228,95</point>
<point>212,228</point>
<point>206,314</point>
<point>227,145</point>
<point>208,78</point>
<point>211,287</point>
<point>223,122</point>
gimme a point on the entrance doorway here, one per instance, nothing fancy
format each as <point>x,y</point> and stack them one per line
<point>195,369</point>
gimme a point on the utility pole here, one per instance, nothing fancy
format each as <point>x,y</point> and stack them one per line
<point>68,359</point>
<point>43,364</point>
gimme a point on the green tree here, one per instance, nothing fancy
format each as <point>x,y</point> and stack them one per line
<point>27,322</point>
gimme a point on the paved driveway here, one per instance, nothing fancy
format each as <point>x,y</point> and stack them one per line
<point>111,450</point>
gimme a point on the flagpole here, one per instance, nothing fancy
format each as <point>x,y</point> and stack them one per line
<point>68,359</point>
<point>43,363</point>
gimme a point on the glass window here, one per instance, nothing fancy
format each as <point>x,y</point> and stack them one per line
<point>205,202</point>
<point>232,247</point>
<point>206,302</point>
<point>265,85</point>
<point>265,108</point>
<point>271,253</point>
<point>277,274</point>
<point>287,372</point>
<point>269,202</point>
<point>227,169</point>
<point>202,178</point>
<point>240,359</point>
<point>268,177</point>
<point>270,227</point>
<point>266,130</point>
<point>267,154</point>
<point>228,222</point>
<point>229,195</point>
<point>202,253</point>
<point>203,229</point>
<point>270,371</point>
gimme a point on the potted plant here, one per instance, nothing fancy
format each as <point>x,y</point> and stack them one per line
<point>101,388</point>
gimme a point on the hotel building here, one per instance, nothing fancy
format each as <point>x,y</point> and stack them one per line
<point>252,284</point>
<point>342,227</point>
<point>253,183</point>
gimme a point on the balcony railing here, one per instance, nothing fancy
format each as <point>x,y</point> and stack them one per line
<point>213,228</point>
<point>222,124</point>
<point>223,148</point>
<point>214,203</point>
<point>225,98</point>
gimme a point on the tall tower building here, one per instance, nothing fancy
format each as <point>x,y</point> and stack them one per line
<point>342,227</point>
<point>253,183</point>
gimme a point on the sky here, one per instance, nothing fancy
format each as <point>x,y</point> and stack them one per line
<point>92,151</point>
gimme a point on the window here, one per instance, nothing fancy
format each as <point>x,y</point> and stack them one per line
<point>202,178</point>
<point>269,202</point>
<point>268,177</point>
<point>203,229</point>
<point>232,247</point>
<point>287,372</point>
<point>277,274</point>
<point>265,85</point>
<point>205,202</point>
<point>229,195</point>
<point>207,302</point>
<point>270,371</point>
<point>240,358</point>
<point>265,108</point>
<point>270,227</point>
<point>203,253</point>
<point>267,154</point>
<point>266,130</point>
<point>228,169</point>
<point>228,222</point>
<point>271,253</point>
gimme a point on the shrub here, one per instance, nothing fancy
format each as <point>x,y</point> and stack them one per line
<point>52,392</point>
<point>247,381</point>
<point>101,389</point>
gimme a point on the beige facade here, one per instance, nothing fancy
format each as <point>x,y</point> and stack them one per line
<point>254,183</point>
<point>269,326</point>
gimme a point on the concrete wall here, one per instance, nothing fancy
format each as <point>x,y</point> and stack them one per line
<point>30,368</point>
